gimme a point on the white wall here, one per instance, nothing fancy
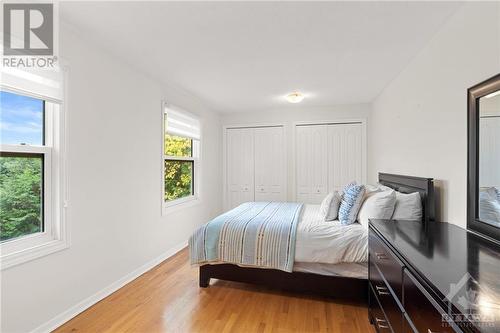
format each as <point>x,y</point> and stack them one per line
<point>288,117</point>
<point>419,122</point>
<point>115,188</point>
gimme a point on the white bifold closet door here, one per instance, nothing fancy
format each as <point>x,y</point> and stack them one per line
<point>269,164</point>
<point>327,158</point>
<point>240,166</point>
<point>345,155</point>
<point>311,163</point>
<point>256,166</point>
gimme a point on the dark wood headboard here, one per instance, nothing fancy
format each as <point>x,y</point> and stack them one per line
<point>410,184</point>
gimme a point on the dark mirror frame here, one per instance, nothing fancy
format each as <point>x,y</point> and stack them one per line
<point>474,94</point>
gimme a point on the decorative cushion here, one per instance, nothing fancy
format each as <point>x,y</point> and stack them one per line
<point>372,188</point>
<point>350,204</point>
<point>330,206</point>
<point>489,191</point>
<point>408,207</point>
<point>378,205</point>
<point>489,209</point>
<point>351,183</point>
<point>494,193</point>
<point>383,187</point>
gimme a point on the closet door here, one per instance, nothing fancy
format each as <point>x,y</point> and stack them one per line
<point>240,166</point>
<point>345,155</point>
<point>270,167</point>
<point>311,163</point>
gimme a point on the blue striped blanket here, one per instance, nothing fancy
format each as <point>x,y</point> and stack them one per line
<point>254,234</point>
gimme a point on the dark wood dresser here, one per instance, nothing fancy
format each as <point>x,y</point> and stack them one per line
<point>432,280</point>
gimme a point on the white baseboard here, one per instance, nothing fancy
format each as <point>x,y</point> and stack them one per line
<point>88,302</point>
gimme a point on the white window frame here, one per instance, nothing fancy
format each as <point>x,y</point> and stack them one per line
<point>55,234</point>
<point>172,205</point>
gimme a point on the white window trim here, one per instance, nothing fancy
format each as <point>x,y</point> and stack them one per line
<point>189,201</point>
<point>55,236</point>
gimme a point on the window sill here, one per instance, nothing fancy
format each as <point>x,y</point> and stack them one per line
<point>33,252</point>
<point>173,206</point>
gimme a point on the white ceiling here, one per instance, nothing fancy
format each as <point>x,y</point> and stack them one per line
<point>244,56</point>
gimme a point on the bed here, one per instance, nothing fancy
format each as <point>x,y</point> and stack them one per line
<point>328,258</point>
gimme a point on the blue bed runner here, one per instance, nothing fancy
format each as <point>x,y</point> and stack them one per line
<point>254,234</point>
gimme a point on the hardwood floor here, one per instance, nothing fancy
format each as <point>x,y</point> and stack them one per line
<point>168,299</point>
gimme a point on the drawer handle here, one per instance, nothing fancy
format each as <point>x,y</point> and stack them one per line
<point>382,290</point>
<point>379,323</point>
<point>430,331</point>
<point>380,255</point>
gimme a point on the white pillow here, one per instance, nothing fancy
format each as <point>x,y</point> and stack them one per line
<point>379,205</point>
<point>408,207</point>
<point>383,187</point>
<point>371,189</point>
<point>329,208</point>
<point>493,192</point>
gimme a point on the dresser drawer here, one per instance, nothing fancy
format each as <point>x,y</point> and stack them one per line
<point>390,267</point>
<point>386,299</point>
<point>377,315</point>
<point>423,312</point>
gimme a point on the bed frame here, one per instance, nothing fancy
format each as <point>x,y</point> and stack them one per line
<point>334,286</point>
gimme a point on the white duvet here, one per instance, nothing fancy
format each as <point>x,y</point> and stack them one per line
<point>319,241</point>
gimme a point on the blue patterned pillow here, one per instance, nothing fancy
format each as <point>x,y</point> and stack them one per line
<point>351,203</point>
<point>352,183</point>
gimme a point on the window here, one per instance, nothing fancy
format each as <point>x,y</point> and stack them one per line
<point>21,166</point>
<point>181,150</point>
<point>31,171</point>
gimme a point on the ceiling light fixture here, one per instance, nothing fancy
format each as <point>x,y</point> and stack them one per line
<point>295,97</point>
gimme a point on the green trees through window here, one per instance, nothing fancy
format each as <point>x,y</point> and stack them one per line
<point>178,179</point>
<point>22,121</point>
<point>179,171</point>
<point>178,146</point>
<point>20,195</point>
